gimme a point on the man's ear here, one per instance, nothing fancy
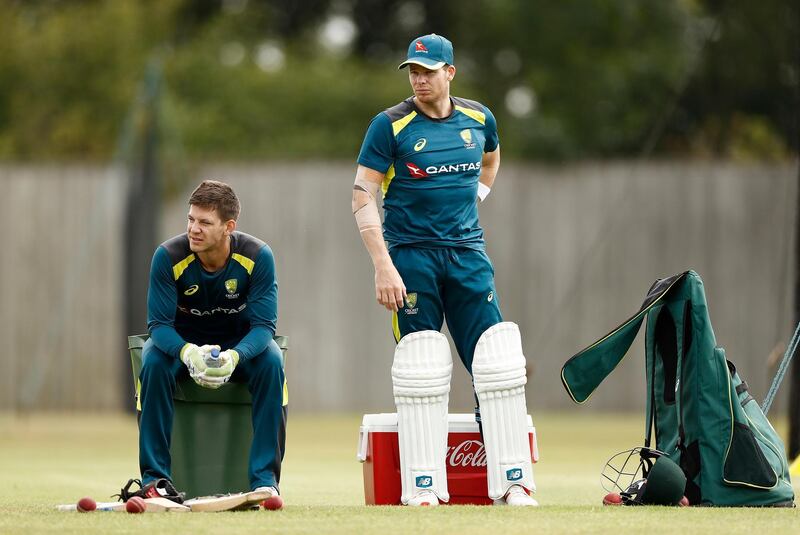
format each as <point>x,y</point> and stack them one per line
<point>230,226</point>
<point>451,72</point>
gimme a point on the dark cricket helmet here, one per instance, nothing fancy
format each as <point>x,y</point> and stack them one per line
<point>644,476</point>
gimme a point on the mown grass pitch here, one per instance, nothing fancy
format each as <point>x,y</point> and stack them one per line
<point>49,459</point>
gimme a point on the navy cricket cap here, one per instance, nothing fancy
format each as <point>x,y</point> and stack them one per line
<point>431,51</point>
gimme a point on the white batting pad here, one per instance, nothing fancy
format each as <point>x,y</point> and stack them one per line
<point>421,379</point>
<point>498,372</point>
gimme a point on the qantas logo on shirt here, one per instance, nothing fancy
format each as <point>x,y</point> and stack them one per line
<point>210,312</point>
<point>419,47</point>
<point>415,171</point>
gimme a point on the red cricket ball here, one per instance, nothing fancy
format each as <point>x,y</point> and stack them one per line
<point>86,505</point>
<point>684,502</point>
<point>612,498</point>
<point>273,503</point>
<point>136,505</point>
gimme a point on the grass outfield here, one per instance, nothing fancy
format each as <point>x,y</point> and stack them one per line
<point>50,459</point>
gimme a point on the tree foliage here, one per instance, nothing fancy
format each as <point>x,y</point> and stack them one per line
<point>288,79</point>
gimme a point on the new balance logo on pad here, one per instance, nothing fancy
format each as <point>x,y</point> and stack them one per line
<point>425,482</point>
<point>515,474</point>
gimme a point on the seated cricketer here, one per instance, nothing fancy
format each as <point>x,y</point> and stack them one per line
<point>212,288</point>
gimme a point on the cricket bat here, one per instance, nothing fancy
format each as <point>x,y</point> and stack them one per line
<point>153,505</point>
<point>164,505</point>
<point>101,506</point>
<point>228,502</point>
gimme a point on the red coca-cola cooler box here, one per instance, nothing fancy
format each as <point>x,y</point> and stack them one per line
<point>378,451</point>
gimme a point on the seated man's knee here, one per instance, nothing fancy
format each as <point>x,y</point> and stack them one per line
<point>270,360</point>
<point>156,363</point>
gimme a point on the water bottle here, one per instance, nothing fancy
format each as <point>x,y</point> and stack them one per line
<point>212,358</point>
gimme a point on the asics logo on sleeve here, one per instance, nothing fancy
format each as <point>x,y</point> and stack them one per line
<point>191,290</point>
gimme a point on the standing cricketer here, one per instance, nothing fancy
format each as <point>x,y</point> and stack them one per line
<point>212,287</point>
<point>435,156</point>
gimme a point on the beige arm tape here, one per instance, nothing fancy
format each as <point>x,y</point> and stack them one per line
<point>364,207</point>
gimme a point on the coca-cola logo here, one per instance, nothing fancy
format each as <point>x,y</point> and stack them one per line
<point>467,453</point>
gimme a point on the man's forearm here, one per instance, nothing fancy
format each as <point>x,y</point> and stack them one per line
<point>254,342</point>
<point>167,339</point>
<point>376,247</point>
<point>365,210</point>
<point>489,167</point>
<point>487,177</point>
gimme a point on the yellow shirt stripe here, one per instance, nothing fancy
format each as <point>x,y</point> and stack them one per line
<point>399,124</point>
<point>180,267</point>
<point>387,179</point>
<point>475,114</point>
<point>395,327</point>
<point>245,262</point>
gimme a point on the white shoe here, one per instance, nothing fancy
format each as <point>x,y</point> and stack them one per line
<point>517,497</point>
<point>426,497</point>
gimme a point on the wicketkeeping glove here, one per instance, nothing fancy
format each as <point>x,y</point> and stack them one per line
<point>194,357</point>
<point>210,382</point>
<point>228,361</point>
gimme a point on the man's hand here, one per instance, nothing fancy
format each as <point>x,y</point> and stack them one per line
<point>194,357</point>
<point>228,360</point>
<point>210,382</point>
<point>389,288</point>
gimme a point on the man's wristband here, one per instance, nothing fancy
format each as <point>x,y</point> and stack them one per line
<point>483,191</point>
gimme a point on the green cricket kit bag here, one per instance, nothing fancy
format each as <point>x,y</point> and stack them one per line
<point>698,408</point>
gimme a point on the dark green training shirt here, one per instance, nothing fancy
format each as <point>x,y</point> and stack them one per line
<point>431,168</point>
<point>235,307</point>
